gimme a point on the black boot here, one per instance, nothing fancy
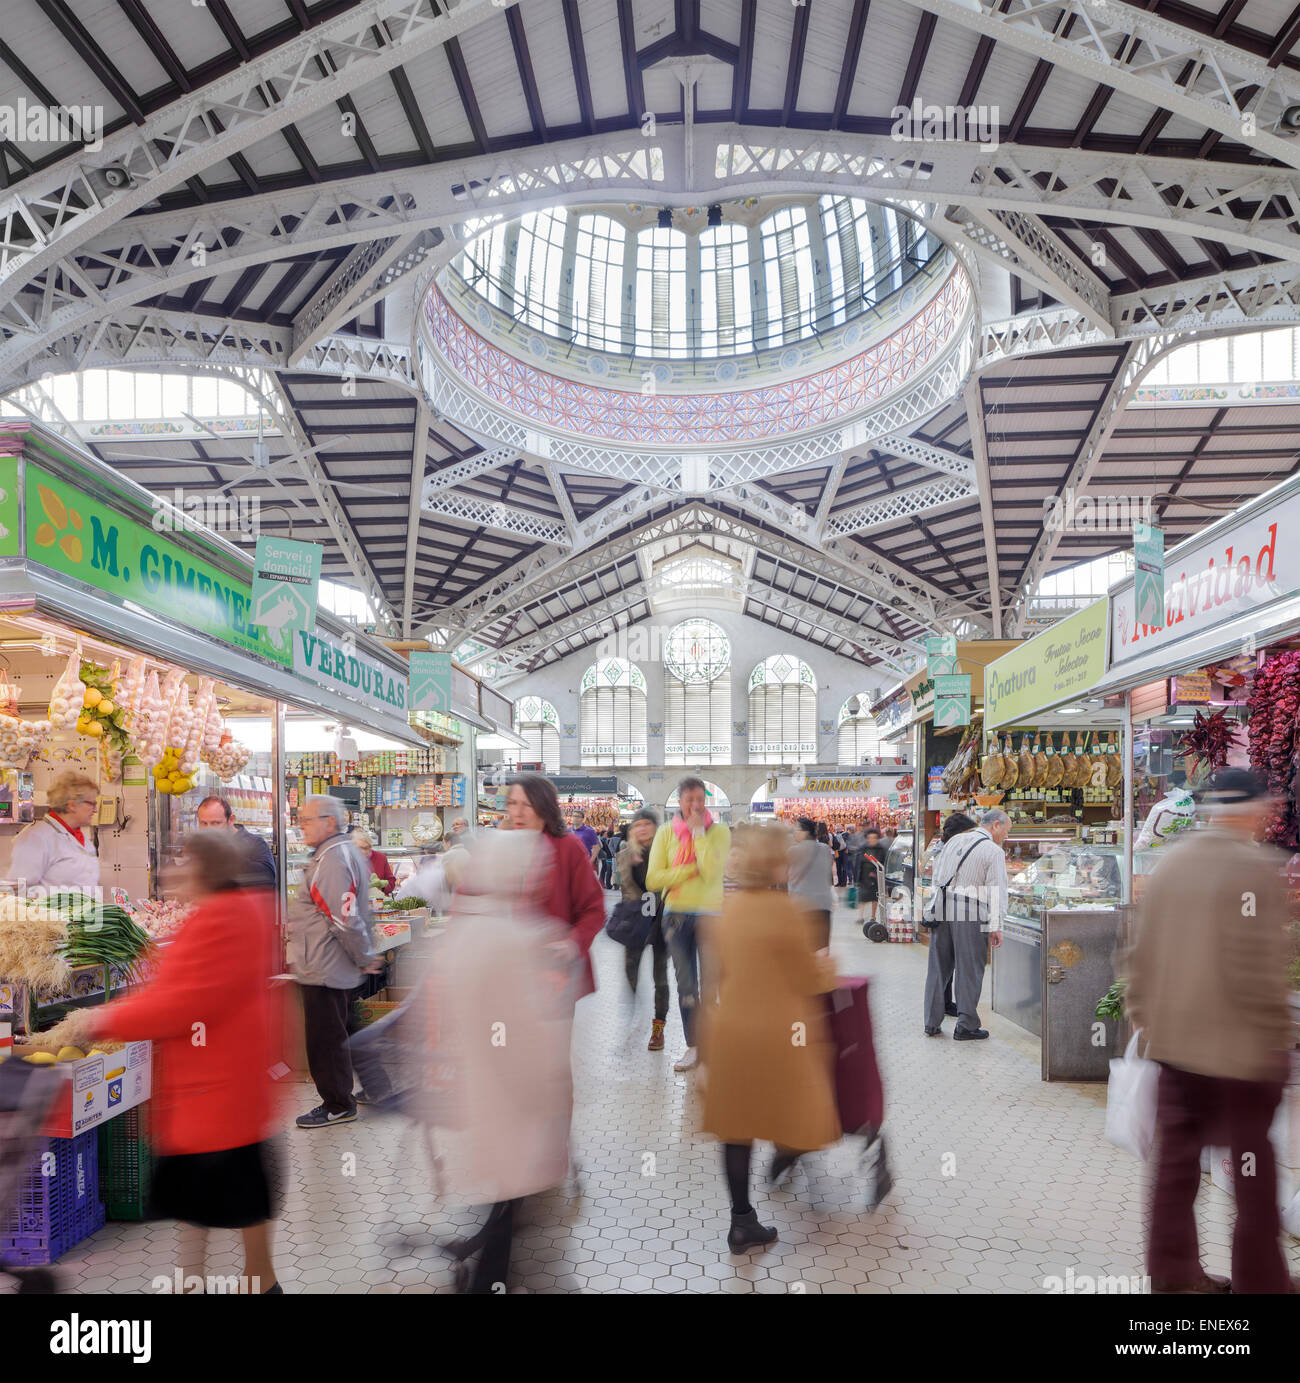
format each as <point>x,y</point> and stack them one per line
<point>746,1232</point>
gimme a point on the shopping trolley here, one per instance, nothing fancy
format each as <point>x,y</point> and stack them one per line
<point>889,919</point>
<point>26,1095</point>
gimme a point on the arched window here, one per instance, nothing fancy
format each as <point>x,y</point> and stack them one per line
<point>697,694</point>
<point>538,724</point>
<point>788,266</point>
<point>782,711</point>
<point>612,723</point>
<point>661,292</point>
<point>859,734</point>
<point>726,298</point>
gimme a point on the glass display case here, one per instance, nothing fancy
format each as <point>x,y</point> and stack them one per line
<point>1062,872</point>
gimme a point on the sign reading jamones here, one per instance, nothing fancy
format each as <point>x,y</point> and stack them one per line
<point>1245,566</point>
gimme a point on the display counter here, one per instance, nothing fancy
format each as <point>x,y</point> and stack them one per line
<point>1050,972</point>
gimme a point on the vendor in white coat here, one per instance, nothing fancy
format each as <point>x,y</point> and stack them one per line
<point>57,851</point>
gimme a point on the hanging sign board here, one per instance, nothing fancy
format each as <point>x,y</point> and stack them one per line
<point>1149,574</point>
<point>1059,664</point>
<point>286,584</point>
<point>431,682</point>
<point>951,701</point>
<point>941,655</point>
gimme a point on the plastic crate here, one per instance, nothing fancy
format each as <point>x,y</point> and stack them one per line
<point>53,1212</point>
<point>126,1164</point>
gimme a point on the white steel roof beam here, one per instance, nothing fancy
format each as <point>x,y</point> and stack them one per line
<point>1245,206</point>
<point>1138,359</point>
<point>487,513</point>
<point>53,212</point>
<point>898,504</point>
<point>1208,81</point>
<point>373,268</point>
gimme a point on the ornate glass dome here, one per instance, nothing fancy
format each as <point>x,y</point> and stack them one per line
<point>739,278</point>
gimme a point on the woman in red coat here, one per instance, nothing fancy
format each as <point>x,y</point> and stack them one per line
<point>212,1019</point>
<point>576,896</point>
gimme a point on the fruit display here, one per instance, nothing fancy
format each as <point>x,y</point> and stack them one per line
<point>100,716</point>
<point>168,777</point>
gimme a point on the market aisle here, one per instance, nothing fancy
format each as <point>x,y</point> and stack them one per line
<point>1032,1188</point>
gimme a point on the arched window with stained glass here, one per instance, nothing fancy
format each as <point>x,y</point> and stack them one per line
<point>697,693</point>
<point>612,713</point>
<point>859,735</point>
<point>537,723</point>
<point>782,711</point>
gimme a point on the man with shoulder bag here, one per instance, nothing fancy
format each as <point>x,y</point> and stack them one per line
<point>637,918</point>
<point>965,913</point>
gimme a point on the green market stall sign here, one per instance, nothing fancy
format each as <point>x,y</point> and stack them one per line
<point>10,538</point>
<point>1061,663</point>
<point>78,536</point>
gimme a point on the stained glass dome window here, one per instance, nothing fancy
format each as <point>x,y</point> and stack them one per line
<point>697,650</point>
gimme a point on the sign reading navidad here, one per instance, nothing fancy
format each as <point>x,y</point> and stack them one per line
<point>1059,664</point>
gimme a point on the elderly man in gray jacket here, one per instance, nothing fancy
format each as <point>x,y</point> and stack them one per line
<point>329,948</point>
<point>967,907</point>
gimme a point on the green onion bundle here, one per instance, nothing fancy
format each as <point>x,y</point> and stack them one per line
<point>100,934</point>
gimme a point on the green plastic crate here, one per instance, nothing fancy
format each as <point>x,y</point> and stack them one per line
<point>126,1164</point>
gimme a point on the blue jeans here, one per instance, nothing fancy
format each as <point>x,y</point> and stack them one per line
<point>679,933</point>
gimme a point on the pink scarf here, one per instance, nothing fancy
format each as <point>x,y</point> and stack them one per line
<point>686,841</point>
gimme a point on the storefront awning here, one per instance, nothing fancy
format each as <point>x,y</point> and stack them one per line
<point>1260,627</point>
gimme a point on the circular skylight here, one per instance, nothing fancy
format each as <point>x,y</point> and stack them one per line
<point>634,281</point>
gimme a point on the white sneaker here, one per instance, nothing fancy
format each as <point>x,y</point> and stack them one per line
<point>688,1061</point>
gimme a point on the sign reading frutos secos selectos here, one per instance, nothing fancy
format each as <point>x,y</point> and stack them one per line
<point>1058,665</point>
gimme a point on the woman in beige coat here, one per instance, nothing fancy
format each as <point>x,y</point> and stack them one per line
<point>764,1042</point>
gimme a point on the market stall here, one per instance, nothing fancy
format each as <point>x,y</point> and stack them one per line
<point>128,660</point>
<point>906,719</point>
<point>1056,766</point>
<point>879,795</point>
<point>1218,683</point>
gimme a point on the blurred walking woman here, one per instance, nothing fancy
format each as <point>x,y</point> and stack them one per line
<point>501,1001</point>
<point>213,1106</point>
<point>811,876</point>
<point>575,897</point>
<point>765,1045</point>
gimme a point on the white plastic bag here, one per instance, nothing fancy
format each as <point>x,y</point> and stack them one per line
<point>1131,1101</point>
<point>1291,1216</point>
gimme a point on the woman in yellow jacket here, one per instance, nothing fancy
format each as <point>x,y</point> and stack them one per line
<point>765,1045</point>
<point>686,865</point>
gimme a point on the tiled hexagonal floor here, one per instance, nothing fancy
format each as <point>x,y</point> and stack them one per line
<point>1000,1180</point>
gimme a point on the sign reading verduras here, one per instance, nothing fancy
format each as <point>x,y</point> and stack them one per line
<point>1061,663</point>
